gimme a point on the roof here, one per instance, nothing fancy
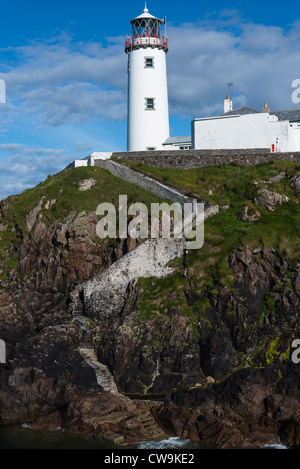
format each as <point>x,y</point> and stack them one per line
<point>291,115</point>
<point>147,15</point>
<point>240,111</point>
<point>177,140</point>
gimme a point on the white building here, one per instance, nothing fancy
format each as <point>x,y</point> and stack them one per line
<point>245,128</point>
<point>148,110</point>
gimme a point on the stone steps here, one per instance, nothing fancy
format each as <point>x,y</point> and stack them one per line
<point>138,409</point>
<point>79,307</point>
<point>153,430</point>
<point>78,310</point>
<point>103,375</point>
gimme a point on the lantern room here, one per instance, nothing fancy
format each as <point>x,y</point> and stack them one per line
<point>146,30</point>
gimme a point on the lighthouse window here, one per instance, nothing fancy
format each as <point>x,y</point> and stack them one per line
<point>149,62</point>
<point>145,28</point>
<point>150,104</point>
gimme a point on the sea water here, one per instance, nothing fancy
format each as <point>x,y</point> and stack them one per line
<point>171,443</point>
<point>24,437</point>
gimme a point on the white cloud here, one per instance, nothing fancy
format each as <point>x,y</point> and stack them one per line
<point>261,62</point>
<point>62,82</point>
<point>23,167</point>
<point>75,102</point>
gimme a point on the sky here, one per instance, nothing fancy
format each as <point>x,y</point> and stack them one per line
<point>65,71</point>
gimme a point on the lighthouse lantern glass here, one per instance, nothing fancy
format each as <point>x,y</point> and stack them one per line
<point>146,28</point>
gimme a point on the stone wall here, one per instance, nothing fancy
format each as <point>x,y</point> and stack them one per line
<point>145,182</point>
<point>187,159</point>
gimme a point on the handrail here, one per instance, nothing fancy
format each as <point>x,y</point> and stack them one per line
<point>146,40</point>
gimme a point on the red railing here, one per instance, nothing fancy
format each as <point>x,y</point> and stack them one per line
<point>275,149</point>
<point>148,40</point>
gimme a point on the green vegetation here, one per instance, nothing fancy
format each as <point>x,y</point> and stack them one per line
<point>272,350</point>
<point>228,183</point>
<point>162,294</point>
<point>234,186</point>
<point>204,271</point>
<point>63,189</point>
<point>207,269</point>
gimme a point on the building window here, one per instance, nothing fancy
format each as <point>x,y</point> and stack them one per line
<point>150,104</point>
<point>149,62</point>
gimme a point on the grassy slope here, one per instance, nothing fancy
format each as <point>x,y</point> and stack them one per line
<point>64,188</point>
<point>207,268</point>
<point>233,185</point>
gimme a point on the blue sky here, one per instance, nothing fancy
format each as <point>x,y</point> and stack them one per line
<point>65,72</point>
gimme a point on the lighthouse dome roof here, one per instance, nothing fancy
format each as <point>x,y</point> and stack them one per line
<point>146,15</point>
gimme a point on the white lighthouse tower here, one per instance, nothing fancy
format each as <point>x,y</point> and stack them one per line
<point>148,111</point>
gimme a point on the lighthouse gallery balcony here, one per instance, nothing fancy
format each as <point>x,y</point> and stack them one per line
<point>144,41</point>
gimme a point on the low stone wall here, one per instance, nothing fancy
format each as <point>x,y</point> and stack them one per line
<point>145,182</point>
<point>188,159</point>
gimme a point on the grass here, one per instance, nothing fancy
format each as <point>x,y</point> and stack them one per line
<point>233,185</point>
<point>228,183</point>
<point>207,269</point>
<point>63,188</point>
<point>159,295</point>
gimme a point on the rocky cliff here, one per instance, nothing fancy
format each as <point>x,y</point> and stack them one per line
<point>49,246</point>
<point>205,350</point>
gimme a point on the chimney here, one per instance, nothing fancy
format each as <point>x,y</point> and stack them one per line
<point>266,108</point>
<point>227,104</point>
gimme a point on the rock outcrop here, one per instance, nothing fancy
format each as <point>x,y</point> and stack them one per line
<point>45,381</point>
<point>248,218</point>
<point>252,408</point>
<point>215,366</point>
<point>270,200</point>
<point>296,185</point>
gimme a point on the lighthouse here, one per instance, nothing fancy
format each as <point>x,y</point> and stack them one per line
<point>148,110</point>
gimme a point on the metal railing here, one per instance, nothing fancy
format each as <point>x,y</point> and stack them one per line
<point>146,40</point>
